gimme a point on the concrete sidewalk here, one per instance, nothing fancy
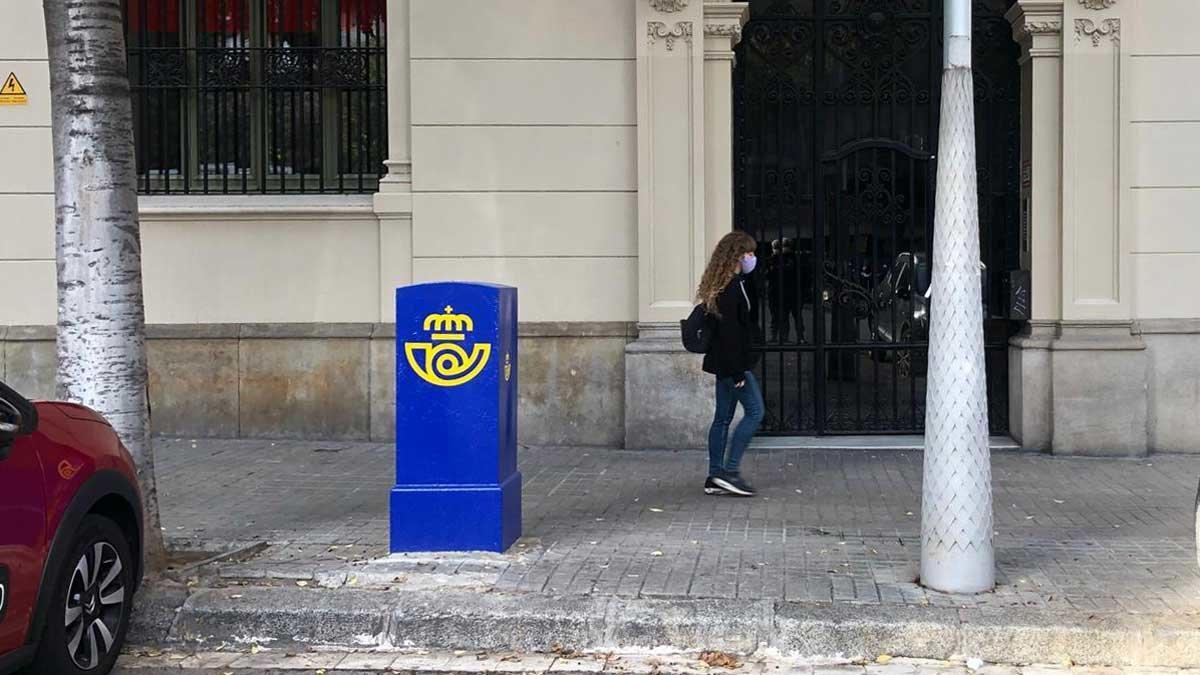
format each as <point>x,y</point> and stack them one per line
<point>623,539</point>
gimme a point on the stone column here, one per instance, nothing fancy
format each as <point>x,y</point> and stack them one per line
<point>1038,28</point>
<point>393,202</point>
<point>723,21</point>
<point>667,397</point>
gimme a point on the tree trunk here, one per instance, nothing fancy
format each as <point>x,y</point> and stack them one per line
<point>101,320</point>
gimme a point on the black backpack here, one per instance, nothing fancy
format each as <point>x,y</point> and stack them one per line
<point>697,331</point>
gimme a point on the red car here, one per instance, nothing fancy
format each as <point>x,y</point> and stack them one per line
<point>70,538</point>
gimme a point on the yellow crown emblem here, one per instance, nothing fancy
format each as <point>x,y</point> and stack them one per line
<point>442,361</point>
<point>448,325</point>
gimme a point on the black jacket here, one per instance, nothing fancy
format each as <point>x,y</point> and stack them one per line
<point>730,354</point>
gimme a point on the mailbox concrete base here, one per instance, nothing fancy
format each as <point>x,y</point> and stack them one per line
<point>456,517</point>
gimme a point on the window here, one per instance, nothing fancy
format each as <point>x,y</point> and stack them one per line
<point>268,96</point>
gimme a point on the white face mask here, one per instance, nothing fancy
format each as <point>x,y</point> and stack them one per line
<point>749,262</point>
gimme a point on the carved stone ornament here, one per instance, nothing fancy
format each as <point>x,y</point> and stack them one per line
<point>669,5</point>
<point>729,30</point>
<point>658,30</point>
<point>1029,27</point>
<point>1043,26</point>
<point>1108,28</point>
<point>1097,4</point>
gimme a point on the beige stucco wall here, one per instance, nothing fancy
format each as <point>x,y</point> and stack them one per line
<point>1163,146</point>
<point>26,173</point>
<point>524,149</point>
<point>260,259</point>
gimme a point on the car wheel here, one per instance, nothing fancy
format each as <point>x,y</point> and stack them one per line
<point>90,603</point>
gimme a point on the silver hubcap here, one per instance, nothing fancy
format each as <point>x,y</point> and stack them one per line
<point>95,602</point>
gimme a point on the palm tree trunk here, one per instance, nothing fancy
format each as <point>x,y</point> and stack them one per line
<point>101,319</point>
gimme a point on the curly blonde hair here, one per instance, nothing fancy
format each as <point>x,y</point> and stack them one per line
<point>723,266</point>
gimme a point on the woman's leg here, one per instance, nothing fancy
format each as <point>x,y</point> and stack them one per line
<point>718,433</point>
<point>750,396</point>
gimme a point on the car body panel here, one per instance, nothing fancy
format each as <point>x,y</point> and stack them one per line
<point>51,479</point>
<point>23,540</point>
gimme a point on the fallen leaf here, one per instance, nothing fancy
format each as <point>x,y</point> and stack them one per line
<point>655,510</point>
<point>235,596</point>
<point>1059,501</point>
<point>975,663</point>
<point>720,660</point>
<point>883,659</point>
<point>254,648</point>
<point>657,554</point>
<point>301,583</point>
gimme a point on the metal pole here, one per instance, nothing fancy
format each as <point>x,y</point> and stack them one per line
<point>956,509</point>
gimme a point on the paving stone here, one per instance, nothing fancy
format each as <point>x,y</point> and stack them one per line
<point>1106,536</point>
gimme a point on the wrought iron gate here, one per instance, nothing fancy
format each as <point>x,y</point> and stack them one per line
<point>836,123</point>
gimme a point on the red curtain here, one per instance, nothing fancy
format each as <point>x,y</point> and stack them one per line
<point>365,15</point>
<point>161,16</point>
<point>233,16</point>
<point>293,16</point>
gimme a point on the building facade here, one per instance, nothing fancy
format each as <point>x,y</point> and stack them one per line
<point>300,159</point>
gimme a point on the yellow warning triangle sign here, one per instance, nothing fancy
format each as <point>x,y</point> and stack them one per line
<point>12,93</point>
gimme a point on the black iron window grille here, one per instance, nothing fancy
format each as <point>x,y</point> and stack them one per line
<point>268,96</point>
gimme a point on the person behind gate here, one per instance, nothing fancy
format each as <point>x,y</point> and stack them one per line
<point>723,294</point>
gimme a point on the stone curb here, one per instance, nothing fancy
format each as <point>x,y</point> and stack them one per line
<point>449,620</point>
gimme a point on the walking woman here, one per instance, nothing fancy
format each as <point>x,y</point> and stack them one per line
<point>723,293</point>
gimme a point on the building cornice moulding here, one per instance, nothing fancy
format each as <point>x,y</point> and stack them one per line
<point>1097,4</point>
<point>723,21</point>
<point>1037,25</point>
<point>732,31</point>
<point>669,6</point>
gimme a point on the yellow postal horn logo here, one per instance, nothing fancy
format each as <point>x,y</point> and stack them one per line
<point>443,361</point>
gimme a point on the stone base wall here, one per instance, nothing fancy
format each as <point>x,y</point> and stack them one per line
<point>1107,390</point>
<point>592,384</point>
<point>337,381</point>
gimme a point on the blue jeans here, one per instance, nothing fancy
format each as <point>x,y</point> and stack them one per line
<point>728,396</point>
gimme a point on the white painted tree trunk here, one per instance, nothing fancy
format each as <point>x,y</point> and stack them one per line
<point>956,503</point>
<point>101,320</point>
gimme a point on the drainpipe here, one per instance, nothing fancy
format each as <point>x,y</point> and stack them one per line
<point>956,503</point>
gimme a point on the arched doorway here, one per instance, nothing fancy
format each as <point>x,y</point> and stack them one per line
<point>835,147</point>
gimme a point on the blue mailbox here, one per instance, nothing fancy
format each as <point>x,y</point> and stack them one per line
<point>457,484</point>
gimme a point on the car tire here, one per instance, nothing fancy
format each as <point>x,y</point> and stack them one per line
<point>90,603</point>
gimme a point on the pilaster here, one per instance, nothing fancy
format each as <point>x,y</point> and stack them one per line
<point>723,21</point>
<point>684,104</point>
<point>1096,259</point>
<point>393,203</point>
<point>1038,28</point>
<point>671,157</point>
